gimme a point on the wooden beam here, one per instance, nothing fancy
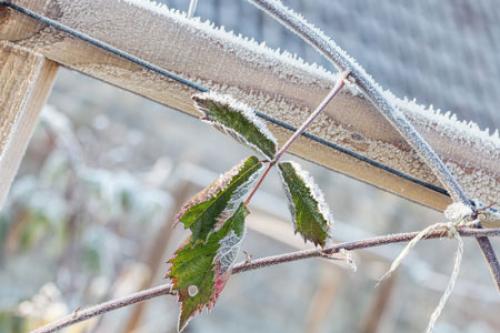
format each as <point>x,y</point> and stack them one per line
<point>278,85</point>
<point>25,82</point>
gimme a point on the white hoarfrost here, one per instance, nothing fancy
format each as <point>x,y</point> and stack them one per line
<point>220,185</point>
<point>247,48</point>
<point>316,193</point>
<point>237,198</point>
<point>285,63</point>
<point>449,125</point>
<point>294,70</point>
<point>228,251</point>
<point>235,106</point>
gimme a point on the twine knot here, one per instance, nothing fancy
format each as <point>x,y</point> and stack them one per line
<point>452,229</point>
<point>457,214</point>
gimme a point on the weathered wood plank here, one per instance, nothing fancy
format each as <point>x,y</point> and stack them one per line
<point>278,85</point>
<point>25,82</point>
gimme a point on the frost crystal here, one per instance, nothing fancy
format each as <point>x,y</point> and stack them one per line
<point>282,63</point>
<point>228,251</point>
<point>245,47</point>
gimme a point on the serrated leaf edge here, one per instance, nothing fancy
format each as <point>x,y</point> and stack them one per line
<point>220,278</point>
<point>316,192</point>
<point>220,185</point>
<point>234,106</point>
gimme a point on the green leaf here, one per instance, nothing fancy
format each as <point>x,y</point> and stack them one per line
<point>310,213</point>
<point>212,206</point>
<point>237,120</point>
<point>200,269</point>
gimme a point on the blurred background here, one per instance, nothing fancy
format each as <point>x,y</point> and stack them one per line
<point>89,215</point>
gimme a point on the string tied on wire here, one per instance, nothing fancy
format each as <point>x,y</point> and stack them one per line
<point>457,215</point>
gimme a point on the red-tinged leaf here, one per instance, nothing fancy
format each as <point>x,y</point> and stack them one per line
<point>200,269</point>
<point>210,208</point>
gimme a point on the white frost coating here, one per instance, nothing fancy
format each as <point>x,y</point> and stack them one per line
<point>270,58</point>
<point>245,47</point>
<point>228,251</point>
<point>316,192</point>
<point>297,71</point>
<point>235,106</point>
<point>448,123</point>
<point>219,185</point>
<point>458,212</point>
<point>237,198</point>
<point>369,87</point>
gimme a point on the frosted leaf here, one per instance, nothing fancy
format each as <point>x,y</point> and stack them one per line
<point>238,120</point>
<point>228,251</point>
<point>310,213</point>
<point>200,269</point>
<point>210,208</point>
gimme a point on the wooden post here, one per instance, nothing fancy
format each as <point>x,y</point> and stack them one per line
<point>25,82</point>
<point>283,88</point>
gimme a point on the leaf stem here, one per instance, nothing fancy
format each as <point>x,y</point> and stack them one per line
<point>331,51</point>
<point>259,183</point>
<point>373,92</point>
<point>166,289</point>
<point>335,90</point>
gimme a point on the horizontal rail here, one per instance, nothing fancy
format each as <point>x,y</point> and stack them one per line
<point>351,137</point>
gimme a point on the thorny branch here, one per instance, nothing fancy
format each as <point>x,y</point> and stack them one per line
<point>374,93</point>
<point>166,289</point>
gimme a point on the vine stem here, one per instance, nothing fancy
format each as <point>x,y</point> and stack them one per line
<point>373,92</point>
<point>166,289</point>
<point>335,90</point>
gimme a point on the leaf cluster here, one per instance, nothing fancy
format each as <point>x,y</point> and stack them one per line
<point>216,216</point>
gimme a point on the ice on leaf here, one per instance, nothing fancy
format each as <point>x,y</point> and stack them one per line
<point>310,213</point>
<point>238,120</point>
<point>200,269</point>
<point>210,208</point>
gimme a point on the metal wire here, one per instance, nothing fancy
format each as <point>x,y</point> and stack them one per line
<point>198,87</point>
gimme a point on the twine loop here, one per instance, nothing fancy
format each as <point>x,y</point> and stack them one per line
<point>457,215</point>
